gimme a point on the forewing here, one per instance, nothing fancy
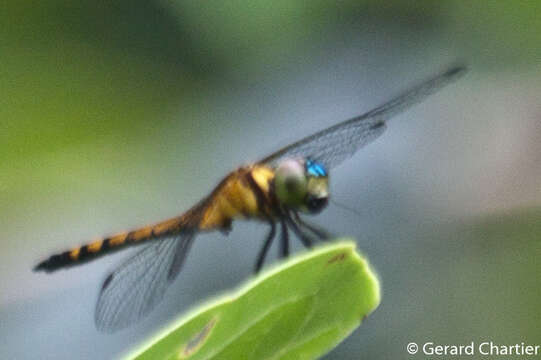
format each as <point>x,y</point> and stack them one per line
<point>333,145</point>
<point>133,289</point>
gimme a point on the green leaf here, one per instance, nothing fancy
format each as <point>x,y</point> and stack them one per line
<point>299,309</point>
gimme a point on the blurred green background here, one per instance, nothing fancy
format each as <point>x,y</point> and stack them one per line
<point>119,114</point>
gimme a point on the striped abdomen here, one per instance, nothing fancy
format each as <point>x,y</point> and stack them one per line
<point>243,193</point>
<point>120,241</point>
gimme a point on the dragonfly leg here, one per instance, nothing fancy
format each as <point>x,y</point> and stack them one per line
<point>321,233</point>
<point>305,239</point>
<point>265,248</point>
<point>226,227</point>
<point>284,240</point>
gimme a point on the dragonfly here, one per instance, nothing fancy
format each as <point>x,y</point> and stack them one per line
<point>277,189</point>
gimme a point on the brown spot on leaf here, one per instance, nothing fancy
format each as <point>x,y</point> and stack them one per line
<point>338,257</point>
<point>197,340</point>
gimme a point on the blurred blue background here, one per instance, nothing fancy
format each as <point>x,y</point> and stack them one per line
<point>115,115</point>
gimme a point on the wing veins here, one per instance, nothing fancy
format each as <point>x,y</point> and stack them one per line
<point>139,283</point>
<point>330,149</point>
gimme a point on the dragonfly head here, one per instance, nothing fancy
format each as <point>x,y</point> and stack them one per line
<point>302,185</point>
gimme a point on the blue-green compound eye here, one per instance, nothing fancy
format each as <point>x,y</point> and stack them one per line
<point>315,169</point>
<point>290,183</point>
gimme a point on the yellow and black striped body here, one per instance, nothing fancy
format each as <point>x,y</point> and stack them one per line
<point>244,193</point>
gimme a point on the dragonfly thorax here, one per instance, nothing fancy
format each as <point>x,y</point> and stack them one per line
<point>302,184</point>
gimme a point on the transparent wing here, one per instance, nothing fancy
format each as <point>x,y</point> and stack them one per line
<point>333,145</point>
<point>134,288</point>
